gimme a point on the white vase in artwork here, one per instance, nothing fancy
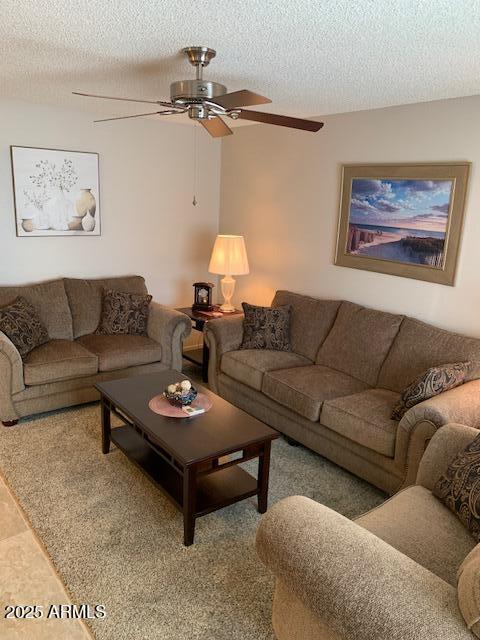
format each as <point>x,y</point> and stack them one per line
<point>60,211</point>
<point>85,203</point>
<point>43,219</point>
<point>88,222</point>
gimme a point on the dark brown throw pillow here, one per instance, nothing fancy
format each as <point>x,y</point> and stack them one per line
<point>21,323</point>
<point>459,487</point>
<point>266,328</point>
<point>124,313</point>
<point>434,381</point>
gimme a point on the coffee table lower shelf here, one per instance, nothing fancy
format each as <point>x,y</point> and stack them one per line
<point>213,488</point>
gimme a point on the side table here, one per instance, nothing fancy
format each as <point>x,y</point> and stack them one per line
<point>199,319</point>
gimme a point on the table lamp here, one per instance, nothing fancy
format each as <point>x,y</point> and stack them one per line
<point>229,258</point>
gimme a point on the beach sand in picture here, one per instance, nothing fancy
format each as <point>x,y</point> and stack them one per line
<point>400,247</point>
<point>385,238</point>
<point>395,251</point>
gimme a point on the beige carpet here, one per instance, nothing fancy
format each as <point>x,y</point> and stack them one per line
<point>116,540</point>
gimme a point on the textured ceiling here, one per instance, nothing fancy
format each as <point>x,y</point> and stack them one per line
<point>310,57</point>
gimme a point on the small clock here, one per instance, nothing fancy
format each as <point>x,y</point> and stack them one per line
<point>202,299</point>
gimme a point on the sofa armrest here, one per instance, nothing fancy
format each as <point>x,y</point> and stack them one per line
<point>357,584</point>
<point>442,449</point>
<point>170,328</point>
<point>10,352</point>
<point>221,335</point>
<point>11,377</point>
<point>418,425</point>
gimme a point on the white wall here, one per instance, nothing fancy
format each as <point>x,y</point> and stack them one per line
<point>149,225</point>
<point>280,188</point>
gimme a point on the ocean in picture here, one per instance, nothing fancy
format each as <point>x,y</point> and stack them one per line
<point>400,220</point>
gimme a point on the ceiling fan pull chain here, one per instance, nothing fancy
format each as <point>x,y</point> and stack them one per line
<point>195,165</point>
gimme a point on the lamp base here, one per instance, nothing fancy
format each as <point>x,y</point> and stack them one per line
<point>227,308</point>
<point>228,287</point>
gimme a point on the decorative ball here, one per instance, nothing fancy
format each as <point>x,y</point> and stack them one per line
<point>186,385</point>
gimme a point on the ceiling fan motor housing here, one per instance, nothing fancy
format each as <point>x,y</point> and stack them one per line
<point>185,91</point>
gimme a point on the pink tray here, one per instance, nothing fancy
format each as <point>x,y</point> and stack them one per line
<point>159,404</point>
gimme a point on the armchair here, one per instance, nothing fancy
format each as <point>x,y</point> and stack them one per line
<point>379,578</point>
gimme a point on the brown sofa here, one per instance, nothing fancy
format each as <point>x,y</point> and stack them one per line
<point>62,372</point>
<point>335,391</point>
<point>408,569</point>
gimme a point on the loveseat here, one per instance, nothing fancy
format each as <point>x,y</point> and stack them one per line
<point>335,391</point>
<point>62,372</point>
<point>407,570</point>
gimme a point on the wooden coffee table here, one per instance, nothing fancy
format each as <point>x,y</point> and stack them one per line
<point>183,456</point>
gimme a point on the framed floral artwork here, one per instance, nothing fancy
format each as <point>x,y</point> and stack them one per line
<point>403,219</point>
<point>56,192</point>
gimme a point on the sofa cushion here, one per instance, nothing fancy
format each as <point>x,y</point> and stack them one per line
<point>20,322</point>
<point>405,522</point>
<point>266,328</point>
<point>310,320</point>
<point>124,313</point>
<point>117,352</point>
<point>359,341</point>
<point>304,389</point>
<point>58,360</point>
<point>50,302</point>
<point>85,299</point>
<point>364,418</point>
<point>420,346</point>
<point>249,365</point>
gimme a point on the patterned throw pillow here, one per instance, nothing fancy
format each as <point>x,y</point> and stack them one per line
<point>434,381</point>
<point>266,328</point>
<point>20,322</point>
<point>124,313</point>
<point>459,487</point>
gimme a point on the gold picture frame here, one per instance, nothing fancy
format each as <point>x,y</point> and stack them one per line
<point>402,219</point>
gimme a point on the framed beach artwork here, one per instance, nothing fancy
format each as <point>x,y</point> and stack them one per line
<point>56,192</point>
<point>404,219</point>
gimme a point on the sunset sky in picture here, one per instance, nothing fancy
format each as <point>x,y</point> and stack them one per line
<point>411,204</point>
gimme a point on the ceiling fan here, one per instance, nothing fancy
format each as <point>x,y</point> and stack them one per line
<point>208,102</point>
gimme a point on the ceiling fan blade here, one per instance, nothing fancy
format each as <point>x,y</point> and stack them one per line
<point>216,127</point>
<point>243,98</point>
<point>282,121</point>
<point>139,115</point>
<point>92,95</point>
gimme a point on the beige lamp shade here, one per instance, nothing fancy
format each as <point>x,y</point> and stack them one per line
<point>229,256</point>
